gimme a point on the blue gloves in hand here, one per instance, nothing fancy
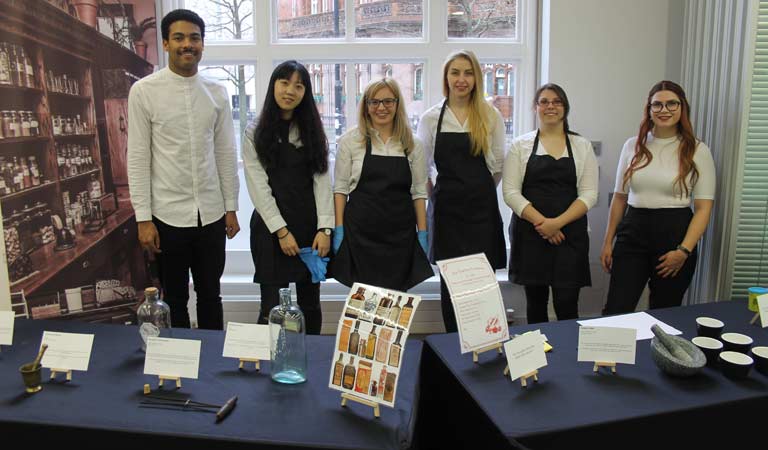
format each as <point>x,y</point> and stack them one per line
<point>316,265</point>
<point>422,236</point>
<point>338,236</point>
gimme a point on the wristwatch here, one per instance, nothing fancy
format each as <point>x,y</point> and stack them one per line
<point>682,248</point>
<point>326,231</point>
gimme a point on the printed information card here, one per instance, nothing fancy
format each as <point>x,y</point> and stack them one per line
<point>606,344</point>
<point>370,341</point>
<point>762,308</point>
<point>246,341</point>
<point>67,351</point>
<point>7,319</point>
<point>172,357</point>
<point>525,354</point>
<point>477,301</point>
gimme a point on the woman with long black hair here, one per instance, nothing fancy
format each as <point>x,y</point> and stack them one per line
<point>661,172</point>
<point>550,182</point>
<point>285,155</point>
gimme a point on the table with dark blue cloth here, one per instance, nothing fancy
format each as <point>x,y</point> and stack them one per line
<point>466,405</point>
<point>101,406</point>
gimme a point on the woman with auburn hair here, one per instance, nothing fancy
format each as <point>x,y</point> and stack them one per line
<point>285,155</point>
<point>464,140</point>
<point>550,182</point>
<point>660,172</point>
<point>379,193</point>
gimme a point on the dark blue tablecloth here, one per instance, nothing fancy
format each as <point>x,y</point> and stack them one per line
<point>101,405</point>
<point>571,406</point>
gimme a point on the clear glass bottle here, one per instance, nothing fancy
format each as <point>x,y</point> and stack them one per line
<point>287,331</point>
<point>153,315</point>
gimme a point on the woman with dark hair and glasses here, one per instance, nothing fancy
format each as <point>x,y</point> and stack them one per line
<point>660,172</point>
<point>285,155</point>
<point>550,181</point>
<point>379,193</point>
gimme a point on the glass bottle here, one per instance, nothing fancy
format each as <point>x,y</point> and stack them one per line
<point>346,331</point>
<point>349,374</point>
<point>12,64</point>
<point>356,299</point>
<point>153,315</point>
<point>95,191</point>
<point>370,348</point>
<point>389,387</point>
<point>354,339</point>
<point>382,380</point>
<point>30,78</point>
<point>338,371</point>
<point>287,331</point>
<point>374,392</point>
<point>5,65</point>
<point>405,314</point>
<point>21,75</point>
<point>34,171</point>
<point>394,352</point>
<point>382,312</point>
<point>25,123</point>
<point>34,125</point>
<point>394,312</point>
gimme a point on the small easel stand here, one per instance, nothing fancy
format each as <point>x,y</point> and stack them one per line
<point>355,398</point>
<point>599,364</point>
<point>163,378</point>
<point>754,319</point>
<point>244,361</point>
<point>476,353</point>
<point>55,372</point>
<point>524,378</point>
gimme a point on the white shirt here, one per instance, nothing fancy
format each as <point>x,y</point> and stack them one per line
<point>181,150</point>
<point>261,194</point>
<point>517,160</point>
<point>351,152</point>
<point>653,185</point>
<point>428,129</point>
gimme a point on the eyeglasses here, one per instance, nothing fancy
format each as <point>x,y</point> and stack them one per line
<point>671,105</point>
<point>544,103</point>
<point>387,102</point>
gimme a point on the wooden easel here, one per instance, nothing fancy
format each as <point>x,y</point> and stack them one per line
<point>754,319</point>
<point>524,378</point>
<point>599,364</point>
<point>355,398</point>
<point>256,362</point>
<point>55,372</point>
<point>476,353</point>
<point>163,378</point>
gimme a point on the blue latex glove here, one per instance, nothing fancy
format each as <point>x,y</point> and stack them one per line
<point>317,266</point>
<point>422,236</point>
<point>338,236</point>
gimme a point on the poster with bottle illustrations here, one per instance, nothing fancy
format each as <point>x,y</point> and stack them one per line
<point>370,342</point>
<point>477,301</point>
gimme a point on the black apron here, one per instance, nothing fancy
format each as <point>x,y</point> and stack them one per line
<point>550,186</point>
<point>291,180</point>
<point>464,216</point>
<point>380,247</point>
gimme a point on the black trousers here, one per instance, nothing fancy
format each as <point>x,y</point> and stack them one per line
<point>642,237</point>
<point>308,297</point>
<point>200,249</point>
<point>565,301</point>
<point>449,316</point>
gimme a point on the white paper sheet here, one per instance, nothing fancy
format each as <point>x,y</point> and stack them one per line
<point>172,357</point>
<point>606,344</point>
<point>246,340</point>
<point>525,354</point>
<point>762,307</point>
<point>640,321</point>
<point>477,301</point>
<point>7,319</point>
<point>67,351</point>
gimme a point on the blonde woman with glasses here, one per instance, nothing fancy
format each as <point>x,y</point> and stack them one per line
<point>379,193</point>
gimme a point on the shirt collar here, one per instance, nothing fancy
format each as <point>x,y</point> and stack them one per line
<point>176,77</point>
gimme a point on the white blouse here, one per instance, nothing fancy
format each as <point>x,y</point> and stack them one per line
<point>428,128</point>
<point>261,194</point>
<point>351,152</point>
<point>654,185</point>
<point>517,160</point>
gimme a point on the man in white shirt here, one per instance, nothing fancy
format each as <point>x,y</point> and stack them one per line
<point>182,172</point>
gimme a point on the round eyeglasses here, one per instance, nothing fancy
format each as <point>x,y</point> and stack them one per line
<point>671,106</point>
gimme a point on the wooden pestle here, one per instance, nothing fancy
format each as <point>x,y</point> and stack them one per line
<point>39,357</point>
<point>672,347</point>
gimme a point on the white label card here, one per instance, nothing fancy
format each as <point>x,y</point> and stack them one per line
<point>67,351</point>
<point>762,308</point>
<point>477,301</point>
<point>246,340</point>
<point>172,357</point>
<point>7,319</point>
<point>606,344</point>
<point>525,354</point>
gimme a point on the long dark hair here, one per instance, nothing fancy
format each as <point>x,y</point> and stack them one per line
<point>643,156</point>
<point>311,131</point>
<point>563,97</point>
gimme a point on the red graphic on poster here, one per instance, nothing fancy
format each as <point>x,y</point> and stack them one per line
<point>493,326</point>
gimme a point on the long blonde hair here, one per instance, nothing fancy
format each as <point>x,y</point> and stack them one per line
<point>479,111</point>
<point>401,130</point>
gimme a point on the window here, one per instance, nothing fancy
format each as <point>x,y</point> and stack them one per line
<point>345,45</point>
<point>228,20</point>
<point>488,83</point>
<point>482,19</point>
<point>314,7</point>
